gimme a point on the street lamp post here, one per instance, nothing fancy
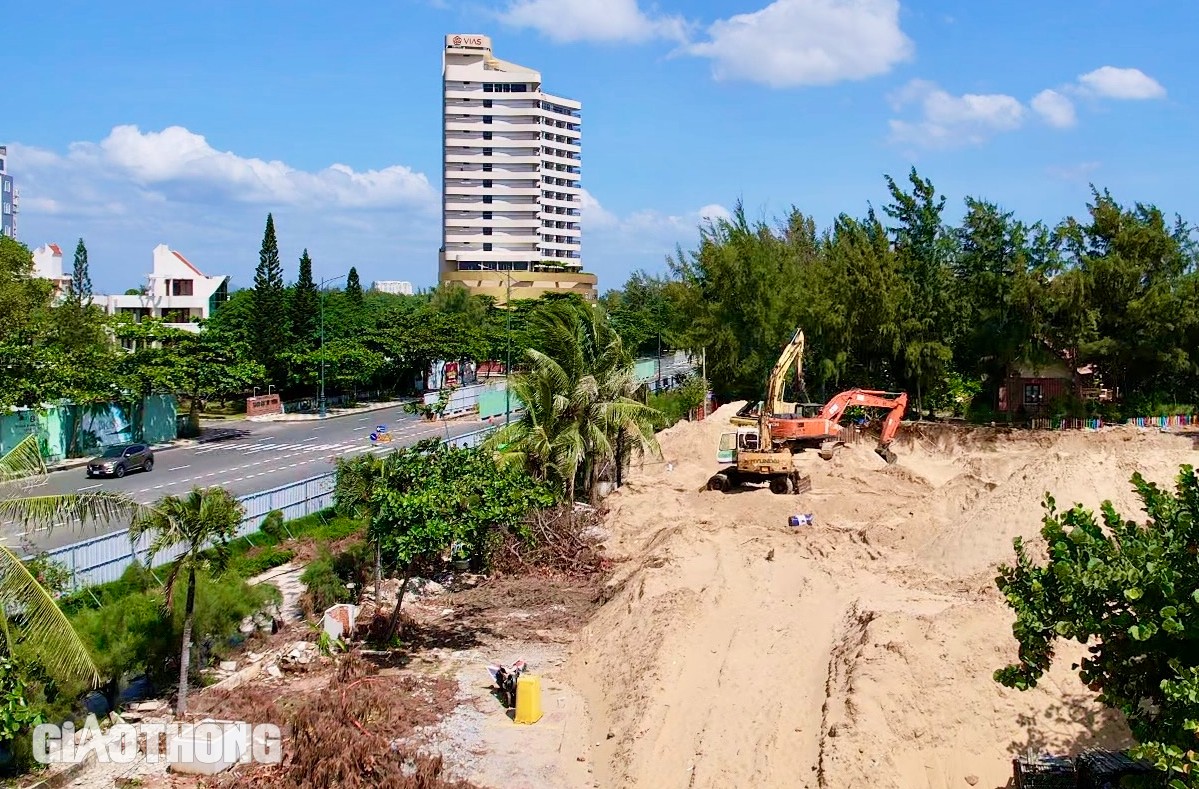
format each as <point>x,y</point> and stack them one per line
<point>321,287</point>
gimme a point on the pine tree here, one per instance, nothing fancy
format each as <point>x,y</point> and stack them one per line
<point>269,329</point>
<point>81,280</point>
<point>354,288</point>
<point>305,306</point>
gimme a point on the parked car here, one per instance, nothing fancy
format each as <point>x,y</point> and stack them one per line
<point>118,460</point>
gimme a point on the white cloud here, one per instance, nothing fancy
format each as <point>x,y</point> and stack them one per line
<point>641,239</point>
<point>1055,108</point>
<point>807,42</point>
<point>178,159</point>
<point>946,120</point>
<point>568,21</point>
<point>133,190</point>
<point>1120,83</point>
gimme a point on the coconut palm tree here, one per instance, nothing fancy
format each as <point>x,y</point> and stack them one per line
<point>201,523</point>
<point>580,412</point>
<point>22,599</point>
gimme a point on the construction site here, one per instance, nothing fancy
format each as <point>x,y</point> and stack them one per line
<point>843,636</point>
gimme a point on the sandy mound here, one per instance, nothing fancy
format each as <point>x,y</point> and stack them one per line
<point>736,651</point>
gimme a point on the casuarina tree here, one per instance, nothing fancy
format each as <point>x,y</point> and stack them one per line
<point>305,307</point>
<point>269,329</point>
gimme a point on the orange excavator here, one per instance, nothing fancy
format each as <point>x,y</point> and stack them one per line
<point>823,431</point>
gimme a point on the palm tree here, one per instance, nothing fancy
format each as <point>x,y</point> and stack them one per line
<point>43,624</point>
<point>580,412</point>
<point>203,523</point>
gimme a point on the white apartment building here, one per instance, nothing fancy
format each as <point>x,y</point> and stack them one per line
<point>511,198</point>
<point>393,286</point>
<point>175,290</point>
<point>47,264</point>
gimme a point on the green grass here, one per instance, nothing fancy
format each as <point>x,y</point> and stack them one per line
<point>251,555</point>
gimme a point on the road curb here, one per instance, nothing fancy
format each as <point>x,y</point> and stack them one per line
<point>332,414</point>
<point>220,434</point>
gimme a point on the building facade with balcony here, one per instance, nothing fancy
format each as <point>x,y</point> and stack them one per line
<point>175,291</point>
<point>10,200</point>
<point>511,159</point>
<point>47,264</point>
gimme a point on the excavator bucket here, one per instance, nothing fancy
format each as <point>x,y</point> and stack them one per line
<point>886,454</point>
<point>827,449</point>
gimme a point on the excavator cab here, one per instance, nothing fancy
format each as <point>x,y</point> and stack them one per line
<point>744,440</point>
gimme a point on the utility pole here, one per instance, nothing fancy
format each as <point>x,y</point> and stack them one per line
<point>508,363</point>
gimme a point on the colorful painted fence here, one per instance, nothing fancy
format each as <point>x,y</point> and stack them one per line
<point>69,430</point>
<point>1166,422</point>
<point>1147,422</point>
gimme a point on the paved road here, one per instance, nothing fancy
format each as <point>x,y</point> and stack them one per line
<point>266,455</point>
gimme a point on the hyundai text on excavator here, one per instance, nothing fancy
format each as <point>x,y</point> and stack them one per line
<point>750,454</point>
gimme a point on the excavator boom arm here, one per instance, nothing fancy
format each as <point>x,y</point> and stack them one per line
<point>778,378</point>
<point>896,404</point>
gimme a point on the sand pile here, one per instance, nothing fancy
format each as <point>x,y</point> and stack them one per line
<point>736,651</point>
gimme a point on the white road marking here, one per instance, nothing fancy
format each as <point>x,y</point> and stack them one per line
<point>90,487</point>
<point>364,427</point>
<point>176,468</point>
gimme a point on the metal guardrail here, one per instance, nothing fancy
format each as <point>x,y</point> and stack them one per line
<point>105,558</point>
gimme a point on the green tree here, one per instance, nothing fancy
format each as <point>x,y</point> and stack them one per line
<point>304,308</point>
<point>578,395</point>
<point>747,284</point>
<point>427,497</point>
<point>269,328</point>
<point>1131,590</point>
<point>29,614</point>
<point>928,317</point>
<point>201,524</point>
<point>81,278</point>
<point>354,288</point>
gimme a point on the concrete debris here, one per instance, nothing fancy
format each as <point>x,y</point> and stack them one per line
<point>340,620</point>
<point>274,671</point>
<point>228,665</point>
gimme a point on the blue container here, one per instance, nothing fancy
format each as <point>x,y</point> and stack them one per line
<point>795,521</point>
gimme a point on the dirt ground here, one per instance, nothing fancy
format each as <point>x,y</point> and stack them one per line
<point>855,652</point>
<point>730,649</point>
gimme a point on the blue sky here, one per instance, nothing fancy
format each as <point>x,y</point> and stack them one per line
<point>137,123</point>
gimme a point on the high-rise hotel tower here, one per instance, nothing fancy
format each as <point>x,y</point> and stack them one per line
<point>510,198</point>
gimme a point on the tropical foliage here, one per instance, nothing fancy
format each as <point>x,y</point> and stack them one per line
<point>426,499</point>
<point>1131,591</point>
<point>580,412</point>
<point>201,524</point>
<point>29,614</point>
<point>904,298</point>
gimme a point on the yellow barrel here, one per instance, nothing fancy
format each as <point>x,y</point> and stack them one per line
<point>528,698</point>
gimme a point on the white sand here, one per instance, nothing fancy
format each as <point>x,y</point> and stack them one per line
<point>862,654</point>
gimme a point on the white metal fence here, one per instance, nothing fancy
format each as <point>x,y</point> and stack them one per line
<point>105,558</point>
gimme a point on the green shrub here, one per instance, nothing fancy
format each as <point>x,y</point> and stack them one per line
<point>273,526</point>
<point>323,586</point>
<point>259,561</point>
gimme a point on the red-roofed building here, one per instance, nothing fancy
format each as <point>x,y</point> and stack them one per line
<point>47,264</point>
<point>175,290</point>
